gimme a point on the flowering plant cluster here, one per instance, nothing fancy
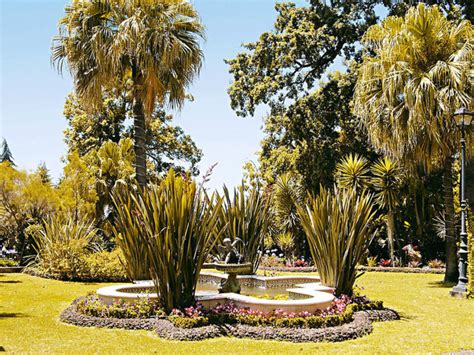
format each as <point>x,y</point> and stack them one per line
<point>385,263</point>
<point>340,312</point>
<point>299,263</point>
<point>143,308</point>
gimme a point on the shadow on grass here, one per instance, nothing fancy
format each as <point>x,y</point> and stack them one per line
<point>11,282</point>
<point>11,315</point>
<point>441,284</point>
<point>406,317</point>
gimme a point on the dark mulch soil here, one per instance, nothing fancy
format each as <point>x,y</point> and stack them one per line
<point>360,325</point>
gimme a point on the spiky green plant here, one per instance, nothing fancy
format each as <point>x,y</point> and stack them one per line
<point>128,232</point>
<point>246,215</point>
<point>352,172</point>
<point>386,182</point>
<point>338,226</point>
<point>62,244</point>
<point>178,227</point>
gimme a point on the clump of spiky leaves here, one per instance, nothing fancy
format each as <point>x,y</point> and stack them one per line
<point>178,227</point>
<point>61,244</point>
<point>128,232</point>
<point>245,215</point>
<point>353,172</point>
<point>386,183</point>
<point>338,226</point>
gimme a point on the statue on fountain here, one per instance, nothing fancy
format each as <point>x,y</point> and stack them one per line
<point>229,250</point>
<point>232,265</point>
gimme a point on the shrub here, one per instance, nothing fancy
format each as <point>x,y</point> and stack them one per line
<point>8,262</point>
<point>105,266</point>
<point>128,232</point>
<point>143,308</point>
<point>338,227</point>
<point>372,261</point>
<point>246,215</point>
<point>62,245</point>
<point>187,323</point>
<point>436,264</point>
<point>178,227</point>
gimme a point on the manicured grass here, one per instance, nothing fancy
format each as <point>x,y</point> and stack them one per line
<point>432,321</point>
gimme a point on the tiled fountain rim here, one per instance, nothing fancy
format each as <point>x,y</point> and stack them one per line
<point>310,294</point>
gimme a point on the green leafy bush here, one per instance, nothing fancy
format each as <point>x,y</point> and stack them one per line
<point>245,215</point>
<point>142,308</point>
<point>188,323</point>
<point>129,233</point>
<point>8,262</point>
<point>105,265</point>
<point>176,226</point>
<point>62,245</point>
<point>338,226</point>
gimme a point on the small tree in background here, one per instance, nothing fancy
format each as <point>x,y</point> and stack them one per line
<point>6,155</point>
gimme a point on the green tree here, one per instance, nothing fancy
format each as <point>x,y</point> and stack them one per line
<point>153,43</point>
<point>6,155</point>
<point>167,146</point>
<point>416,72</point>
<point>43,173</point>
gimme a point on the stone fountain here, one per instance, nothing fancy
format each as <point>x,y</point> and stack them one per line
<point>232,266</point>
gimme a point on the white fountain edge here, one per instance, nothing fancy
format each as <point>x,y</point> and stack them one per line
<point>320,297</point>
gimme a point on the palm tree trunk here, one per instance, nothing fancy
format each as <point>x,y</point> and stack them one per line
<point>451,274</point>
<point>391,234</point>
<point>139,138</point>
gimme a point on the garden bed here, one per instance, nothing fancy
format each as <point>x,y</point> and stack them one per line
<point>412,270</point>
<point>350,325</point>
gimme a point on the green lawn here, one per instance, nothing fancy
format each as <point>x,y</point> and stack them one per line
<point>431,321</point>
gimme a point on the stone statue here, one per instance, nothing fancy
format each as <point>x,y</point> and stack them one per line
<point>229,250</point>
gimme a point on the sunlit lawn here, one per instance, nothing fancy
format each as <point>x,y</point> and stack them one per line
<point>30,307</point>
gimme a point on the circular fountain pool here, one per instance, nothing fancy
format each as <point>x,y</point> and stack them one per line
<point>305,293</point>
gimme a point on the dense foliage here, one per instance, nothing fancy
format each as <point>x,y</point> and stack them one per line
<point>339,228</point>
<point>154,44</point>
<point>245,215</point>
<point>178,228</point>
<point>416,72</point>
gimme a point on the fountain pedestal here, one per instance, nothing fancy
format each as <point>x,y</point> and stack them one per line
<point>232,284</point>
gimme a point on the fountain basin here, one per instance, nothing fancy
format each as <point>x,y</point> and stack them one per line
<point>305,292</point>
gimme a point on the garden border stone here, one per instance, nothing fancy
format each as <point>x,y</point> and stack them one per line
<point>360,325</point>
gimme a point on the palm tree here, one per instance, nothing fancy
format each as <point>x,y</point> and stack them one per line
<point>416,72</point>
<point>353,172</point>
<point>287,196</point>
<point>385,182</point>
<point>155,43</point>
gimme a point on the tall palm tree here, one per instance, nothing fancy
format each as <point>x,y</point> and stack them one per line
<point>385,181</point>
<point>416,72</point>
<point>155,43</point>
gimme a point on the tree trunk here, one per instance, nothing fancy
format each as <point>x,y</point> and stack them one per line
<point>139,138</point>
<point>451,274</point>
<point>391,234</point>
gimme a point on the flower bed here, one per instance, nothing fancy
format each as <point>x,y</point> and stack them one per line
<point>345,319</point>
<point>423,270</point>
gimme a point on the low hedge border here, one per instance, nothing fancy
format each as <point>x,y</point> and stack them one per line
<point>358,327</point>
<point>38,273</point>
<point>409,270</point>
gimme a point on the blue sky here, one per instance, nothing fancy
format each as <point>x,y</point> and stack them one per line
<point>32,93</point>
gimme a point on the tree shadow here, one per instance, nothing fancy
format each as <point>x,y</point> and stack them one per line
<point>11,282</point>
<point>11,315</point>
<point>405,317</point>
<point>441,284</point>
